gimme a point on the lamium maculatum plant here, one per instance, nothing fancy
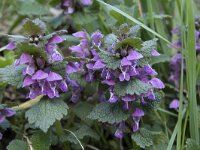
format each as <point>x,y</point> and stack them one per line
<point>117,65</point>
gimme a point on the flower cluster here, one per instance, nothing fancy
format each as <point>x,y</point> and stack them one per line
<point>38,76</point>
<point>4,113</point>
<point>69,5</point>
<point>175,63</point>
<point>85,51</point>
<point>127,69</point>
<point>118,61</point>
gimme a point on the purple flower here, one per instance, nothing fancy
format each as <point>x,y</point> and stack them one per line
<point>11,46</point>
<point>39,75</point>
<point>157,83</point>
<point>72,67</point>
<point>80,34</point>
<point>125,62</point>
<point>6,112</point>
<point>28,81</point>
<point>174,104</point>
<point>151,95</point>
<point>113,98</point>
<point>136,115</point>
<point>35,90</point>
<point>63,86</point>
<point>175,66</point>
<point>148,70</point>
<point>56,39</point>
<point>29,70</point>
<point>56,57</point>
<point>134,55</point>
<point>155,53</point>
<point>25,58</point>
<point>119,134</point>
<point>96,38</point>
<point>109,82</point>
<point>98,65</point>
<point>127,99</point>
<point>54,77</point>
<point>124,75</point>
<point>68,7</point>
<point>86,2</point>
<point>51,49</point>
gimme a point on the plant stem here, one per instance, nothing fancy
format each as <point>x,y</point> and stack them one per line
<point>60,133</point>
<point>184,128</point>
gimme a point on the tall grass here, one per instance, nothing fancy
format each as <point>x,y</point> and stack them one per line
<point>191,72</point>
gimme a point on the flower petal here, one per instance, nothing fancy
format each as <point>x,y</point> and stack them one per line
<point>54,77</point>
<point>134,55</point>
<point>174,104</point>
<point>8,112</point>
<point>125,62</point>
<point>157,83</point>
<point>28,81</point>
<point>138,113</point>
<point>39,75</point>
<point>155,53</point>
<point>56,39</point>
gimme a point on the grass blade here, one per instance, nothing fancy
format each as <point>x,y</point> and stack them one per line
<point>191,72</point>
<point>76,138</point>
<point>172,139</point>
<point>135,21</point>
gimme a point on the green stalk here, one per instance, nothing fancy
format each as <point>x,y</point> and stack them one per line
<point>172,139</point>
<point>180,115</point>
<point>184,129</point>
<point>60,132</point>
<point>150,13</point>
<point>191,72</point>
<point>134,20</point>
<point>28,103</point>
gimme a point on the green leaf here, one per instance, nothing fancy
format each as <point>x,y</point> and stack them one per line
<point>32,8</point>
<point>191,145</point>
<point>17,38</point>
<point>7,59</point>
<point>17,145</point>
<point>40,141</point>
<point>131,87</point>
<point>46,112</point>
<point>145,138</point>
<point>136,43</point>
<point>107,112</point>
<point>12,75</point>
<point>134,31</point>
<point>147,48</point>
<point>30,49</point>
<point>81,131</point>
<point>144,61</point>
<point>111,60</point>
<point>59,67</point>
<point>82,110</point>
<point>159,59</point>
<point>110,40</point>
<point>31,28</point>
